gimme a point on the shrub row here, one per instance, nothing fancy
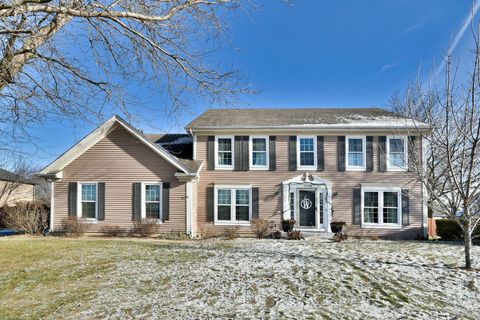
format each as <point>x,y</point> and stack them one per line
<point>450,230</point>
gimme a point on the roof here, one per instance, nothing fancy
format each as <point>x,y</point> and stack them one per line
<point>54,168</point>
<point>302,118</point>
<point>179,145</point>
<point>13,177</point>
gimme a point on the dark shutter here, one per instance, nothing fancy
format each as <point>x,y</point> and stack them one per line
<point>341,153</point>
<point>272,153</point>
<point>357,208</point>
<point>211,153</point>
<point>382,153</point>
<point>241,161</point>
<point>255,203</point>
<point>72,199</point>
<point>165,201</point>
<point>405,207</point>
<point>369,150</point>
<point>412,152</point>
<point>210,204</point>
<point>320,154</point>
<point>292,153</point>
<point>101,200</point>
<point>136,200</point>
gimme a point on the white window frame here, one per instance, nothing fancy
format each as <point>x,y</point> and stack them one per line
<point>299,165</point>
<point>364,153</point>
<point>267,152</point>
<point>405,151</point>
<point>224,167</point>
<point>79,200</point>
<point>143,211</point>
<point>380,191</point>
<point>232,221</point>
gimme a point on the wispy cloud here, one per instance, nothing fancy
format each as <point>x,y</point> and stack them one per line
<point>459,35</point>
<point>414,27</point>
<point>387,67</point>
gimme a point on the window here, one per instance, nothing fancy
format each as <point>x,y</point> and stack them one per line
<point>152,201</point>
<point>396,153</point>
<point>307,152</point>
<point>381,207</point>
<point>356,156</point>
<point>224,152</point>
<point>88,200</point>
<point>233,205</point>
<point>259,153</point>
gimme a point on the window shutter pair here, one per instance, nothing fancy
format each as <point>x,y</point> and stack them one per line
<point>357,209</point>
<point>211,204</point>
<point>241,161</point>
<point>73,197</point>
<point>341,153</point>
<point>137,201</point>
<point>292,153</point>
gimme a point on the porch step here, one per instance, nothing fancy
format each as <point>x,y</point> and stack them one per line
<point>317,235</point>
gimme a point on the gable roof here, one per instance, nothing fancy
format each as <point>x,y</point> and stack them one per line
<point>302,118</point>
<point>102,131</point>
<point>13,177</point>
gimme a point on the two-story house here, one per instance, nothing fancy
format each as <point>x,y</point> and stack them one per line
<point>235,165</point>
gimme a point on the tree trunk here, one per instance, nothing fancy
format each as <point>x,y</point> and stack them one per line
<point>467,237</point>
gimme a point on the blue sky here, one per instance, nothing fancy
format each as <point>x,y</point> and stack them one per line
<point>309,53</point>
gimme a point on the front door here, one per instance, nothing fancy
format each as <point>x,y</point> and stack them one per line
<point>306,205</point>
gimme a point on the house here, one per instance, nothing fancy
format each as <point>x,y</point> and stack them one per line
<point>15,188</point>
<point>235,165</point>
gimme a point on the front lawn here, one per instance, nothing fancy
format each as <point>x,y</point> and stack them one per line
<point>57,278</point>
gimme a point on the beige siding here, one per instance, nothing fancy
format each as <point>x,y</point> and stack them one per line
<point>119,160</point>
<point>12,192</point>
<point>270,188</point>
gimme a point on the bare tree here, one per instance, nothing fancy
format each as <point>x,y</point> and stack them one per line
<point>71,58</point>
<point>451,171</point>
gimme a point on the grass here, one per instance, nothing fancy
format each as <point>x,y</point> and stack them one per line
<point>63,278</point>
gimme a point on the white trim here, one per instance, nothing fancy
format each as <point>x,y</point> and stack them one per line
<point>424,189</point>
<point>52,204</point>
<point>189,207</point>
<point>299,166</point>
<point>405,154</point>
<point>364,154</point>
<point>194,147</point>
<point>99,133</point>
<point>79,200</point>
<point>380,191</point>
<point>143,214</point>
<point>224,167</point>
<point>233,189</point>
<point>250,152</point>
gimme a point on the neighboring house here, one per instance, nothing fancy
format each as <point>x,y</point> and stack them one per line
<point>14,188</point>
<point>313,165</point>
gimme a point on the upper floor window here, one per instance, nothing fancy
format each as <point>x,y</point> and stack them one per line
<point>307,152</point>
<point>396,153</point>
<point>356,155</point>
<point>224,152</point>
<point>88,200</point>
<point>233,204</point>
<point>259,152</point>
<point>151,200</point>
<point>381,206</point>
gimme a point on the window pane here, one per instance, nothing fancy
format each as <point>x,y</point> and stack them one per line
<point>225,158</point>
<point>88,210</point>
<point>307,159</point>
<point>397,145</point>
<point>259,144</point>
<point>355,159</point>
<point>259,159</point>
<point>242,197</point>
<point>89,192</point>
<point>223,212</point>
<point>390,199</point>
<point>370,215</point>
<point>355,145</point>
<point>397,159</point>
<point>390,215</point>
<point>152,210</point>
<point>306,144</point>
<point>152,192</point>
<point>242,213</point>
<point>370,199</point>
<point>224,196</point>
<point>224,144</point>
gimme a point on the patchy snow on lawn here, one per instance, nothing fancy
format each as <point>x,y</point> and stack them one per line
<point>274,279</point>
